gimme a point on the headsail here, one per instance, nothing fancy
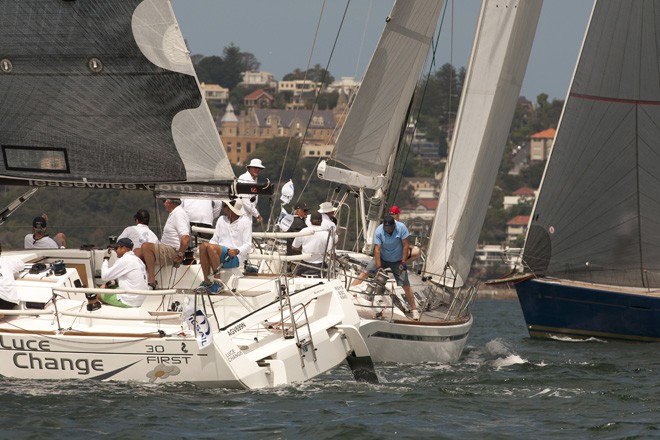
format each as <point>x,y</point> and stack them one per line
<point>597,214</point>
<point>372,128</point>
<point>102,91</point>
<point>501,48</point>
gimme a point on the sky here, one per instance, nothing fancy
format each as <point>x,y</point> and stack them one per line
<point>283,36</point>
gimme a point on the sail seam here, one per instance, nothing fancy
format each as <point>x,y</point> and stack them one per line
<point>610,99</point>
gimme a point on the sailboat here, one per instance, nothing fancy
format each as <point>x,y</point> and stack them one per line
<point>367,149</point>
<point>103,95</point>
<point>592,251</point>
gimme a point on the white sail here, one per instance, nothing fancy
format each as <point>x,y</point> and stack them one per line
<point>373,126</point>
<point>500,52</point>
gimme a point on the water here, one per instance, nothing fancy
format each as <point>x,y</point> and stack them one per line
<point>506,386</point>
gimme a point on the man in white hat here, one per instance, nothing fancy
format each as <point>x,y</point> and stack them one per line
<point>329,221</point>
<point>231,243</point>
<point>250,176</point>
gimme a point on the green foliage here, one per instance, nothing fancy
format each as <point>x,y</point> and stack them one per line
<point>226,70</point>
<point>85,216</point>
<point>316,74</point>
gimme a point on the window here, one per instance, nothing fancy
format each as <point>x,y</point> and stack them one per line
<point>248,148</point>
<point>51,160</point>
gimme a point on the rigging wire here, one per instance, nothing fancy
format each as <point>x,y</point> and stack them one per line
<point>325,73</point>
<point>288,145</point>
<point>394,187</point>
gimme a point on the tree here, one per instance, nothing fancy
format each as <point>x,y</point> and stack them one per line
<point>208,69</point>
<point>317,74</point>
<point>226,70</point>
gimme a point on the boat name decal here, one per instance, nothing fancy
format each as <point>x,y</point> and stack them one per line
<point>233,354</point>
<point>238,327</point>
<point>32,361</point>
<point>25,344</point>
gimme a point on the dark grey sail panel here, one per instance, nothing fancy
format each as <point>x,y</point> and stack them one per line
<point>598,212</point>
<point>80,101</point>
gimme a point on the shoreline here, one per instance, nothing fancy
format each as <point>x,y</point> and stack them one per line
<point>500,294</point>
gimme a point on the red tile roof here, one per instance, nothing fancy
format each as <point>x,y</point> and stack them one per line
<point>430,204</point>
<point>545,134</point>
<point>257,94</point>
<point>519,220</point>
<point>524,191</point>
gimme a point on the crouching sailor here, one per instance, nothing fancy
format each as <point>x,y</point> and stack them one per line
<point>9,268</point>
<point>130,273</point>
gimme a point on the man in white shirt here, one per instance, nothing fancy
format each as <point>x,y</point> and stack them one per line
<point>231,243</point>
<point>130,273</point>
<point>140,232</point>
<point>173,243</point>
<point>39,239</point>
<point>9,268</point>
<point>254,168</point>
<point>318,244</point>
<point>201,212</point>
<point>328,219</point>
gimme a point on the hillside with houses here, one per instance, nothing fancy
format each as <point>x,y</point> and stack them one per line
<point>311,106</point>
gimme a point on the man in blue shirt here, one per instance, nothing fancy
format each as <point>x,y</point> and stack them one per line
<point>390,246</point>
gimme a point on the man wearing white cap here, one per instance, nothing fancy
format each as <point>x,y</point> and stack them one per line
<point>329,221</point>
<point>250,176</point>
<point>231,243</point>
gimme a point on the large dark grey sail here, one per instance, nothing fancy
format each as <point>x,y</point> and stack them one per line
<point>102,91</point>
<point>597,217</point>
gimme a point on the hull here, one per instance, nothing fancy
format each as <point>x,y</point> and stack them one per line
<point>414,343</point>
<point>556,309</point>
<point>393,336</point>
<point>266,332</point>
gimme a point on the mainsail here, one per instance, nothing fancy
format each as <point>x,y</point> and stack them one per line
<point>497,65</point>
<point>102,91</point>
<point>597,214</point>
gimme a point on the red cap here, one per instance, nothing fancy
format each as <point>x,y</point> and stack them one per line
<point>395,210</point>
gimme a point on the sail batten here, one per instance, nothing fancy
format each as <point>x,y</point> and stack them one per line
<point>102,92</point>
<point>597,214</point>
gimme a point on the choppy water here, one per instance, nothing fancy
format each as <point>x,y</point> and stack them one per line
<point>506,386</point>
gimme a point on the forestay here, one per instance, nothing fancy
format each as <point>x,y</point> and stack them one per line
<point>497,65</point>
<point>102,92</point>
<point>597,215</point>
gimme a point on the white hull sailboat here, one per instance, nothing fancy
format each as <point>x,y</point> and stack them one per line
<point>276,339</point>
<point>367,148</point>
<point>592,252</point>
<point>116,104</point>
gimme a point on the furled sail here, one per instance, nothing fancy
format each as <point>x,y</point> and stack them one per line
<point>372,128</point>
<point>597,214</point>
<point>497,65</point>
<point>102,91</point>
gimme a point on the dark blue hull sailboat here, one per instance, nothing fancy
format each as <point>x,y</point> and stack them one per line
<point>592,252</point>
